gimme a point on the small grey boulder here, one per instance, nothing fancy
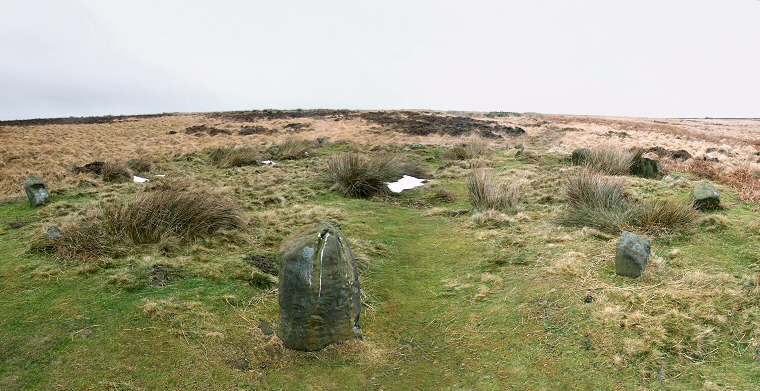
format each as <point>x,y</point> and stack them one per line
<point>53,233</point>
<point>705,196</point>
<point>631,255</point>
<point>320,298</point>
<point>36,191</point>
<point>646,168</point>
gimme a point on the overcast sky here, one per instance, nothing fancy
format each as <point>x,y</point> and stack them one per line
<point>643,58</point>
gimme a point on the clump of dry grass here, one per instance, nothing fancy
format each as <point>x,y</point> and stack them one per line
<point>186,215</point>
<point>354,175</point>
<point>599,202</point>
<point>610,160</point>
<point>704,169</point>
<point>465,151</point>
<point>235,157</point>
<point>595,201</point>
<point>683,317</point>
<point>151,218</point>
<point>491,218</point>
<point>657,217</point>
<point>141,165</point>
<point>293,148</point>
<point>746,182</point>
<point>486,194</point>
<point>116,172</point>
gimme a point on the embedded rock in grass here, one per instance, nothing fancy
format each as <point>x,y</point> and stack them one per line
<point>646,168</point>
<point>53,233</point>
<point>36,191</point>
<point>580,155</point>
<point>631,255</point>
<point>319,289</point>
<point>705,196</point>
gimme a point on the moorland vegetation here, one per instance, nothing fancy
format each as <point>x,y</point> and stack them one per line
<point>498,273</point>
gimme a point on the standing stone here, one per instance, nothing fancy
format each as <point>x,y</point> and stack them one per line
<point>319,289</point>
<point>705,196</point>
<point>631,255</point>
<point>36,191</point>
<point>580,155</point>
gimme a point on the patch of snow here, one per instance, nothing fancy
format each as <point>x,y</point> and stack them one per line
<point>405,183</point>
<point>268,162</point>
<point>160,175</point>
<point>139,179</point>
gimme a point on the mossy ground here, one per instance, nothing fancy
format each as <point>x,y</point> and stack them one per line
<point>450,302</point>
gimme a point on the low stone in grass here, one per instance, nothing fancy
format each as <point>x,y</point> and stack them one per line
<point>631,255</point>
<point>53,233</point>
<point>266,327</point>
<point>241,363</point>
<point>319,293</point>
<point>646,168</point>
<point>705,196</point>
<point>36,191</point>
<point>580,155</point>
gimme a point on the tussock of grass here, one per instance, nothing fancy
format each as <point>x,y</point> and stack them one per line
<point>141,165</point>
<point>151,218</point>
<point>354,175</point>
<point>465,151</point>
<point>595,201</point>
<point>116,172</point>
<point>486,194</point>
<point>491,218</point>
<point>293,148</point>
<point>656,217</point>
<point>235,157</point>
<point>599,202</point>
<point>610,160</point>
<point>85,240</point>
<point>186,215</point>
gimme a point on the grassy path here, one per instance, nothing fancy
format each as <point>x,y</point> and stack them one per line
<point>445,322</point>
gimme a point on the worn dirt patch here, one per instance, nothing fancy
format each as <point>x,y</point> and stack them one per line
<point>161,275</point>
<point>16,224</point>
<point>267,263</point>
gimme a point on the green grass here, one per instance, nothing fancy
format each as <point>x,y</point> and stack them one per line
<point>486,194</point>
<point>603,203</point>
<point>447,304</point>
